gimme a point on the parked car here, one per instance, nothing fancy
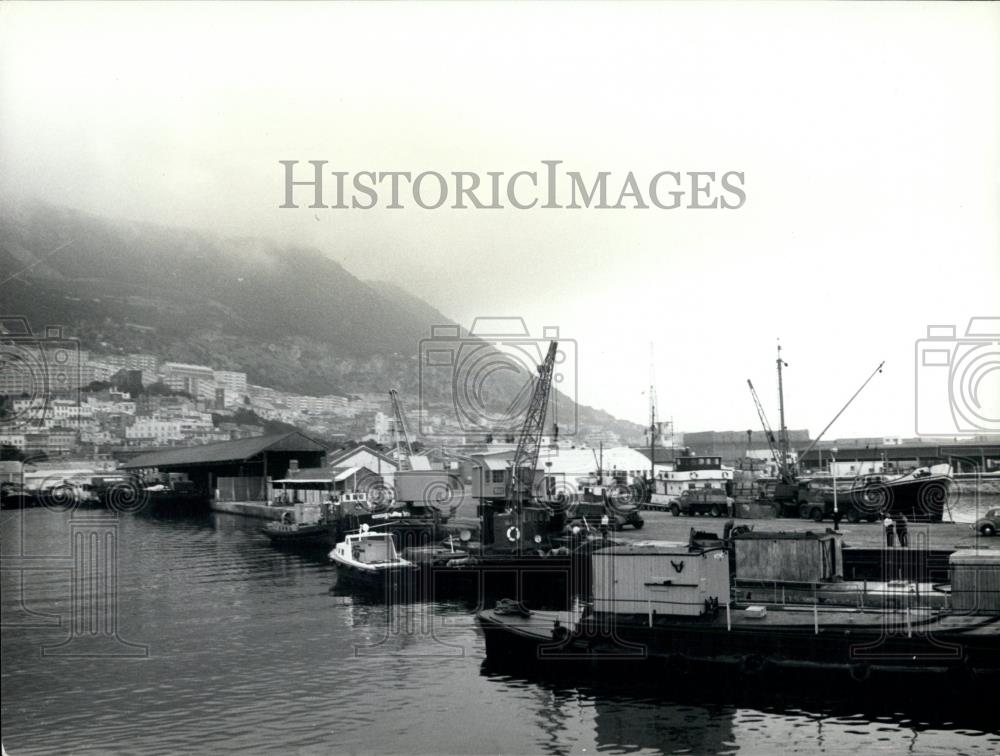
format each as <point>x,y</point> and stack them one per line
<point>989,524</point>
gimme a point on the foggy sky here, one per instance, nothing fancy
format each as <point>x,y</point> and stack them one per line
<point>867,135</point>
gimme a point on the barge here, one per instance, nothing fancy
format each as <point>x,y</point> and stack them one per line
<point>659,607</point>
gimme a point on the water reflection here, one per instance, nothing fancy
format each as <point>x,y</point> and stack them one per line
<point>704,716</point>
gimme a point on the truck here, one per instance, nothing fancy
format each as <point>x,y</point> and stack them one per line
<point>702,501</point>
<point>596,501</point>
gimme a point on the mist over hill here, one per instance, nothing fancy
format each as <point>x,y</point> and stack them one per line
<point>290,317</point>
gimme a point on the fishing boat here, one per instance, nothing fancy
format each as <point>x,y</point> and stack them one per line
<point>690,473</point>
<point>921,495</point>
<point>369,558</point>
<point>304,525</point>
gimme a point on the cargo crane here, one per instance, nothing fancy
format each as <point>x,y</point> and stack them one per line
<point>529,441</point>
<point>768,433</point>
<point>401,439</point>
<point>519,524</point>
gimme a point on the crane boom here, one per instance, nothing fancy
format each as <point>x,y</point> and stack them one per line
<point>849,401</point>
<point>769,434</point>
<point>400,436</point>
<point>530,440</point>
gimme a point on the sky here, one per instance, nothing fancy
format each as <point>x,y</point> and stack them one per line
<point>866,134</point>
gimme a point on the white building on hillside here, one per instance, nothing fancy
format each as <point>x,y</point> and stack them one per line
<point>196,380</point>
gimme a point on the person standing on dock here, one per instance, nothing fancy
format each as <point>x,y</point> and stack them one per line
<point>890,530</point>
<point>901,531</point>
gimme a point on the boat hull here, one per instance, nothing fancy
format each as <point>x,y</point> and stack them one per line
<point>919,499</point>
<point>538,581</point>
<point>305,536</point>
<point>962,650</point>
<point>390,580</point>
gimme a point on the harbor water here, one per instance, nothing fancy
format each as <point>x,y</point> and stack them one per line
<point>208,640</point>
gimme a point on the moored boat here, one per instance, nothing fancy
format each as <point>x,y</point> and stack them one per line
<point>369,558</point>
<point>290,531</point>
<point>659,607</point>
<point>921,495</point>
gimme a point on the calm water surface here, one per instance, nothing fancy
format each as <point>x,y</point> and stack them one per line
<point>253,650</point>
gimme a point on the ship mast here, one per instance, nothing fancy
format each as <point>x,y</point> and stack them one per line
<point>783,447</point>
<point>652,421</point>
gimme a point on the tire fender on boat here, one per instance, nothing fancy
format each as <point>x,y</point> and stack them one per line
<point>513,533</point>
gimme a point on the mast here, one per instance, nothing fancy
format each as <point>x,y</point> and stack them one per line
<point>783,429</point>
<point>652,436</point>
<point>652,419</point>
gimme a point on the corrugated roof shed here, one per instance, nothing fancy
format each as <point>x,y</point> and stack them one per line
<point>225,451</point>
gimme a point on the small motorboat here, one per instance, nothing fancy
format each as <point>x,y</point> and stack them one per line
<point>305,525</point>
<point>369,557</point>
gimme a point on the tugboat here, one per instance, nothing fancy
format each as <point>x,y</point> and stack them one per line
<point>369,559</point>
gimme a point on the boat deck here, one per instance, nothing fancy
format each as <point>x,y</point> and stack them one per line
<point>540,623</point>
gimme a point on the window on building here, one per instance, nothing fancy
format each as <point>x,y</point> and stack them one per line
<point>497,476</point>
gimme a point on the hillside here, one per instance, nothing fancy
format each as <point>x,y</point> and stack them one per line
<point>290,317</point>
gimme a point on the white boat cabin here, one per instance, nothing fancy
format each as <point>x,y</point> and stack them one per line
<point>692,473</point>
<point>367,548</point>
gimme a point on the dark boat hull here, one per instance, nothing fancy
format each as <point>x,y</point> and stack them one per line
<point>395,583</point>
<point>919,499</point>
<point>967,654</point>
<point>306,536</point>
<point>172,503</point>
